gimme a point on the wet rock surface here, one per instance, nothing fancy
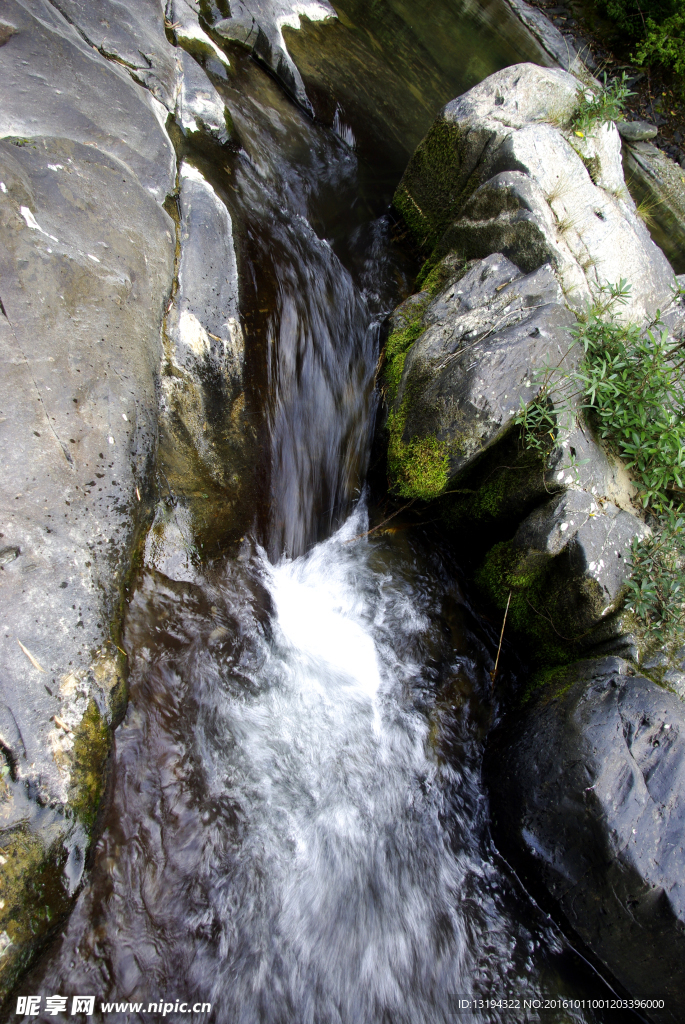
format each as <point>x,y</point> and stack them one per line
<point>200,110</point>
<point>206,441</point>
<point>259,24</point>
<point>589,799</point>
<point>82,298</point>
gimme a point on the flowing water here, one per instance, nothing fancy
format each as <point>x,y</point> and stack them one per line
<point>298,828</point>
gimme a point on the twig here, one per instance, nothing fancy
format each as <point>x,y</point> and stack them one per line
<point>362,535</point>
<point>118,648</point>
<point>501,637</point>
<point>36,664</point>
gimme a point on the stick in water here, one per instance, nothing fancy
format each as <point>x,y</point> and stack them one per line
<point>501,637</point>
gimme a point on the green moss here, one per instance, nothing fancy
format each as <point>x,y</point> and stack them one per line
<point>33,898</point>
<point>432,189</point>
<point>555,681</point>
<point>534,589</point>
<point>91,749</point>
<point>418,469</point>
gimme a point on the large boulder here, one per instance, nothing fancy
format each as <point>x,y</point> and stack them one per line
<point>87,93</point>
<point>459,385</point>
<point>588,794</point>
<point>73,92</point>
<point>501,170</point>
<point>83,294</point>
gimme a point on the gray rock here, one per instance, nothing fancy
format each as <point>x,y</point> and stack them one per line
<point>200,109</point>
<point>501,171</point>
<point>205,437</point>
<point>578,462</point>
<point>182,22</point>
<point>559,49</point>
<point>661,183</point>
<point>550,528</point>
<point>591,542</point>
<point>259,24</point>
<point>130,32</point>
<point>588,794</point>
<point>466,375</point>
<point>637,131</point>
<point>74,93</point>
<point>83,295</point>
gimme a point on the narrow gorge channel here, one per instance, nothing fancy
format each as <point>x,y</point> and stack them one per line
<point>297,828</point>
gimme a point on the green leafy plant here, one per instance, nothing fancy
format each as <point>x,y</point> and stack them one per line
<point>630,384</point>
<point>659,27</point>
<point>604,105</point>
<point>656,588</point>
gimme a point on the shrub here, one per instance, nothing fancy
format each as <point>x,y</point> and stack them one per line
<point>605,104</point>
<point>657,25</point>
<point>630,384</point>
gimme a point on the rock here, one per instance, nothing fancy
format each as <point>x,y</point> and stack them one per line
<point>200,110</point>
<point>83,295</point>
<point>589,544</point>
<point>636,131</point>
<point>130,32</point>
<point>76,94</point>
<point>660,184</point>
<point>259,24</point>
<point>578,462</point>
<point>558,49</point>
<point>182,19</point>
<point>499,172</point>
<point>588,794</point>
<point>170,545</point>
<point>463,380</point>
<point>205,436</point>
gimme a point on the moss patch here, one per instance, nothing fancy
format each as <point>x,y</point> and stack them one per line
<point>399,342</point>
<point>33,896</point>
<point>91,749</point>
<point>553,682</point>
<point>533,608</point>
<point>432,189</point>
<point>417,469</point>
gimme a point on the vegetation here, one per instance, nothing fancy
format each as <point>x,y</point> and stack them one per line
<point>656,26</point>
<point>630,384</point>
<point>604,105</point>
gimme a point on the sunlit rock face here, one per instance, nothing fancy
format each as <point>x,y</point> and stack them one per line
<point>259,25</point>
<point>502,170</point>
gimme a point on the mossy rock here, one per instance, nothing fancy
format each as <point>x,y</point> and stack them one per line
<point>33,895</point>
<point>553,614</point>
<point>432,189</point>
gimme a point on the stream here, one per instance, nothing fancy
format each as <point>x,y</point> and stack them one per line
<point>298,828</point>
